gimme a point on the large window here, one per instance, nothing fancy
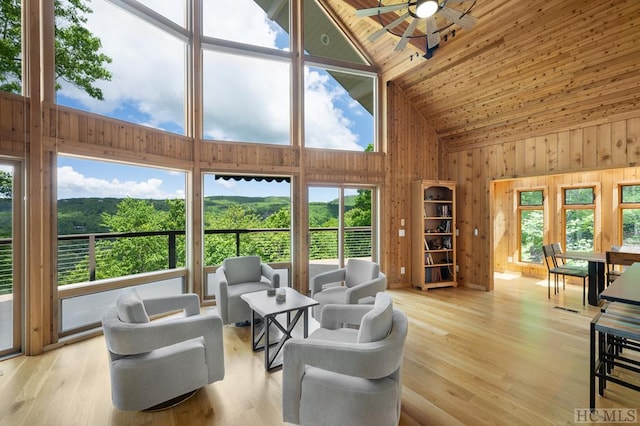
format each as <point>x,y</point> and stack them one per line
<point>340,226</point>
<point>247,215</point>
<point>630,214</point>
<point>339,109</point>
<point>117,220</point>
<point>246,98</point>
<point>139,60</point>
<point>131,60</point>
<point>579,218</point>
<point>11,290</point>
<point>531,221</point>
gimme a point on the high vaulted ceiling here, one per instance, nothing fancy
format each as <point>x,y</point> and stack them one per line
<point>528,68</point>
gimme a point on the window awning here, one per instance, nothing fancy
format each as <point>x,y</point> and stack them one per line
<point>255,178</point>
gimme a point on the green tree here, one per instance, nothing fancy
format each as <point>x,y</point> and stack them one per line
<point>360,214</point>
<point>6,185</point>
<point>11,46</point>
<point>579,229</point>
<point>133,255</point>
<point>78,59</point>
<point>531,235</point>
<point>126,256</point>
<point>276,246</point>
<point>279,219</point>
<point>220,246</point>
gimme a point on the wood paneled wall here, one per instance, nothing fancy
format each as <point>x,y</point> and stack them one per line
<point>505,243</point>
<point>413,154</point>
<point>14,112</point>
<point>585,152</point>
<point>76,132</point>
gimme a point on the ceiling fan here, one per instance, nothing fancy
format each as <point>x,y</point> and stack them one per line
<point>428,17</point>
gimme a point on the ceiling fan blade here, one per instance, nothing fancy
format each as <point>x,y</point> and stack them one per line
<point>405,37</point>
<point>459,18</point>
<point>433,35</point>
<point>382,9</point>
<point>390,26</point>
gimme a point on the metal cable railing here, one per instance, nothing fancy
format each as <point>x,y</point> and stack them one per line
<point>88,257</point>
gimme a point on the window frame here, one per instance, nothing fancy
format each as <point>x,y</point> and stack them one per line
<point>356,70</point>
<point>520,208</point>
<point>622,206</point>
<point>595,207</point>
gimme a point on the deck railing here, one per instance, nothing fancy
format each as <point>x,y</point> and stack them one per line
<point>80,256</point>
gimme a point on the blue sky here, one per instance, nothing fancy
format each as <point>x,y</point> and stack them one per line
<point>87,178</point>
<point>148,88</point>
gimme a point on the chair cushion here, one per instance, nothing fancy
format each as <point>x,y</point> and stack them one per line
<point>248,287</point>
<point>345,335</point>
<point>332,295</point>
<point>242,269</point>
<point>359,271</point>
<point>376,324</point>
<point>130,307</point>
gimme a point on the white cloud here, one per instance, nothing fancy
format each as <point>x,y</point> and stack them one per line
<point>251,101</point>
<point>72,184</point>
<point>238,20</point>
<point>325,125</point>
<point>226,184</point>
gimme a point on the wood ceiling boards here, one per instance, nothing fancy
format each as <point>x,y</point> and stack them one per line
<point>527,68</point>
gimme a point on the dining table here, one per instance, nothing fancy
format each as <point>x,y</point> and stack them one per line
<point>596,263</point>
<point>626,288</point>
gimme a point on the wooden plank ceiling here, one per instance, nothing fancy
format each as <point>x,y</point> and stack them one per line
<point>529,67</point>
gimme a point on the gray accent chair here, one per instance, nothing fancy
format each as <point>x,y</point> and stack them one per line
<point>152,362</point>
<point>236,276</point>
<point>362,280</point>
<point>347,376</point>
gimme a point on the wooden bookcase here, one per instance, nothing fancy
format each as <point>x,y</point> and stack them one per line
<point>434,234</point>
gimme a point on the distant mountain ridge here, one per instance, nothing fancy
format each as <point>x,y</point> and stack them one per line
<point>84,215</point>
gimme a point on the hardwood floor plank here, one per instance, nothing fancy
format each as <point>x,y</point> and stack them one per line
<point>472,358</point>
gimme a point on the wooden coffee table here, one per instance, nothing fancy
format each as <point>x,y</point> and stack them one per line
<point>268,308</point>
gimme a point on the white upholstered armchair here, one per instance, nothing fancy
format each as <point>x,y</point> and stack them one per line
<point>236,276</point>
<point>152,362</point>
<point>362,279</point>
<point>346,376</point>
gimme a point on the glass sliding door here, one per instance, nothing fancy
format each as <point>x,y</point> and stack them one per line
<point>10,255</point>
<point>247,215</point>
<point>341,226</point>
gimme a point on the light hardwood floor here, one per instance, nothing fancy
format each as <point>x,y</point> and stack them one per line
<point>507,357</point>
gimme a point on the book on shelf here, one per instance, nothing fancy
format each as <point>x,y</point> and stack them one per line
<point>432,275</point>
<point>426,244</point>
<point>443,210</point>
<point>428,259</point>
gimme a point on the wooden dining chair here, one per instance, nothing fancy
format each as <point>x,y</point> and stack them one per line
<point>617,261</point>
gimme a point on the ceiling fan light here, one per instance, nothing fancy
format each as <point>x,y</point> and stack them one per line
<point>426,8</point>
